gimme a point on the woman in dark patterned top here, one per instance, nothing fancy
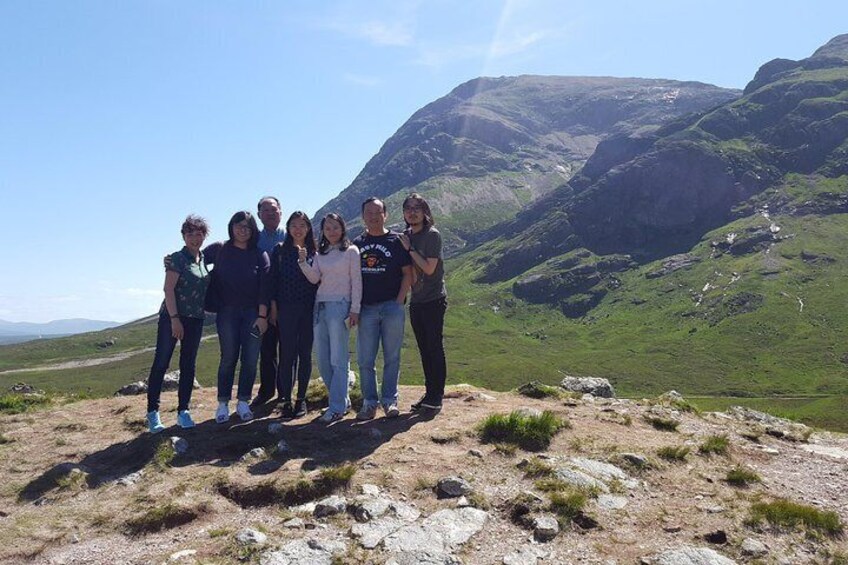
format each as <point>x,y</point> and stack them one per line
<point>292,305</point>
<point>180,318</point>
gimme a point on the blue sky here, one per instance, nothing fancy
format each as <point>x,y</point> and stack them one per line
<point>119,118</point>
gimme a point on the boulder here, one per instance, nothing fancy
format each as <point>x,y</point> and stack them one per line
<point>545,527</point>
<point>329,506</point>
<point>589,385</point>
<point>693,556</point>
<point>312,551</point>
<point>249,536</point>
<point>452,487</point>
<point>132,389</point>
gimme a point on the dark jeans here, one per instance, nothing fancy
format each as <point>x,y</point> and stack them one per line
<point>165,344</point>
<point>428,321</point>
<point>294,322</point>
<point>237,343</point>
<point>268,363</point>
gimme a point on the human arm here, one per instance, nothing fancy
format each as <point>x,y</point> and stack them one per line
<point>405,284</point>
<point>426,264</point>
<point>311,272</point>
<point>355,274</point>
<point>171,278</point>
<point>264,292</point>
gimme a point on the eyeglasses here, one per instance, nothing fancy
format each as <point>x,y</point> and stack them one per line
<point>412,208</point>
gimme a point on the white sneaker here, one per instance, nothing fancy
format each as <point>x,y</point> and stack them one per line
<point>391,410</point>
<point>243,410</point>
<point>222,415</point>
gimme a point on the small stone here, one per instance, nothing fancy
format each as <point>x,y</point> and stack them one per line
<point>610,502</point>
<point>693,556</point>
<point>281,447</point>
<point>330,506</point>
<point>255,453</point>
<point>75,538</point>
<point>249,536</point>
<point>275,428</point>
<point>753,547</point>
<point>179,444</point>
<point>452,487</point>
<point>462,501</point>
<point>545,527</point>
<point>672,529</point>
<point>475,453</point>
<point>529,412</point>
<point>526,555</point>
<point>370,490</point>
<point>307,508</point>
<point>181,555</point>
<point>635,459</point>
<point>131,479</point>
<point>294,523</point>
<point>718,537</point>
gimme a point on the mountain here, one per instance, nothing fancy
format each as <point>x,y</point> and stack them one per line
<point>15,332</point>
<point>780,148</point>
<point>492,145</point>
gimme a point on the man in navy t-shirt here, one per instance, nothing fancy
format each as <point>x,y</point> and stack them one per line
<point>386,279</point>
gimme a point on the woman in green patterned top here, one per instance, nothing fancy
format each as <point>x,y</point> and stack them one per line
<point>180,318</point>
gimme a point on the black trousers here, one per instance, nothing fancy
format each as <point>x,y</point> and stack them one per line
<point>268,363</point>
<point>428,321</point>
<point>294,322</point>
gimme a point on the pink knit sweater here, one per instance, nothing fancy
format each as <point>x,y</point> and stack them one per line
<point>340,275</point>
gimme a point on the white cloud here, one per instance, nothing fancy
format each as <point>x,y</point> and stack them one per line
<point>517,43</point>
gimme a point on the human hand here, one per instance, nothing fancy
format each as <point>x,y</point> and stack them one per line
<point>354,318</point>
<point>404,240</point>
<point>301,254</point>
<point>177,330</point>
<point>166,260</point>
<point>261,324</point>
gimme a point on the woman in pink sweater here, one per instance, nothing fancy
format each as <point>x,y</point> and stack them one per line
<point>336,267</point>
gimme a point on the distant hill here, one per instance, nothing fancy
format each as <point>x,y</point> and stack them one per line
<point>493,145</point>
<point>17,332</point>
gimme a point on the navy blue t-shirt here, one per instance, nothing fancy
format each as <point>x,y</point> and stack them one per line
<point>382,258</point>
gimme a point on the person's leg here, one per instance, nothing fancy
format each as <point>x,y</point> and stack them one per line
<point>367,343</point>
<point>165,344</point>
<point>433,314</point>
<point>268,364</point>
<point>322,344</point>
<point>304,350</point>
<point>393,316</point>
<point>418,323</point>
<point>337,313</point>
<point>227,323</point>
<point>189,345</point>
<point>287,330</point>
<point>250,345</point>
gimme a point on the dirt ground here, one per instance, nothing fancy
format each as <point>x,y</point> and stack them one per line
<point>52,513</point>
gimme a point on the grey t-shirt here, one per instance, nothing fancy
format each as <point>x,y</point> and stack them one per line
<point>427,288</point>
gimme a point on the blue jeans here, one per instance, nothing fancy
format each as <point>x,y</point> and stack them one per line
<point>234,336</point>
<point>331,342</point>
<point>165,345</point>
<point>380,323</point>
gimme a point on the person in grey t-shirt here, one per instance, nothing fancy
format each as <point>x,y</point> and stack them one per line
<point>429,298</point>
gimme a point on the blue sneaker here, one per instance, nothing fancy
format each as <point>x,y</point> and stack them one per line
<point>184,419</point>
<point>154,422</point>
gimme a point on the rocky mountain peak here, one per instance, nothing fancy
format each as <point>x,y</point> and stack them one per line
<point>836,47</point>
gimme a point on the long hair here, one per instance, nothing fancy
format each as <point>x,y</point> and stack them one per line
<point>324,244</point>
<point>425,208</point>
<point>310,237</point>
<point>251,221</point>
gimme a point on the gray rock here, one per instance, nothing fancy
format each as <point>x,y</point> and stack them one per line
<point>589,385</point>
<point>281,447</point>
<point>545,527</point>
<point>179,444</point>
<point>306,508</point>
<point>753,547</point>
<point>693,556</point>
<point>580,479</point>
<point>462,501</point>
<point>452,487</point>
<point>132,389</point>
<point>422,558</point>
<point>598,469</point>
<point>329,506</point>
<point>255,453</point>
<point>482,396</point>
<point>635,459</point>
<point>370,490</point>
<point>131,479</point>
<point>294,523</point>
<point>475,453</point>
<point>298,552</point>
<point>183,555</point>
<point>610,502</point>
<point>366,508</point>
<point>23,388</point>
<point>370,534</point>
<point>171,381</point>
<point>529,412</point>
<point>526,555</point>
<point>440,532</point>
<point>248,536</point>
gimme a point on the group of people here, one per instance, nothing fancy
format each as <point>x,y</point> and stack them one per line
<point>277,292</point>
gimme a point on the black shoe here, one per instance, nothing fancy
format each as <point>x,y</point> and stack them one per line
<point>287,412</point>
<point>260,401</point>
<point>416,406</point>
<point>300,408</point>
<point>431,406</point>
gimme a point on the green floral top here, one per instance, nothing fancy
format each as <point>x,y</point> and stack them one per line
<point>191,286</point>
